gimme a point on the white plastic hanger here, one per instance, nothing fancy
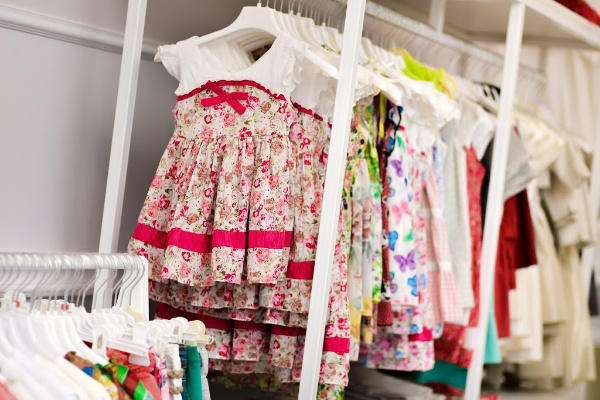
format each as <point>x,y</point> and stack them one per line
<point>285,22</point>
<point>196,334</point>
<point>335,37</point>
<point>27,331</point>
<point>66,323</point>
<point>137,315</point>
<point>256,27</point>
<point>306,25</point>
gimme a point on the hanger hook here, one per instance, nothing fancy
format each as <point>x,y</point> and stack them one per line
<point>12,266</point>
<point>44,280</point>
<point>66,261</point>
<point>120,286</point>
<point>80,276</point>
<point>56,263</point>
<point>128,260</point>
<point>104,283</point>
<point>112,265</point>
<point>92,258</point>
<point>139,263</point>
<point>25,280</point>
<point>71,259</point>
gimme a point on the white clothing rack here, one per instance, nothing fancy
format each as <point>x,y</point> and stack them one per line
<point>588,32</point>
<point>334,180</point>
<point>355,12</point>
<point>25,269</point>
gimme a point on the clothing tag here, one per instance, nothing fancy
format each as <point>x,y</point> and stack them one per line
<point>100,337</point>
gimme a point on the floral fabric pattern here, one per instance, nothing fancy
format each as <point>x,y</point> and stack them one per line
<point>310,142</point>
<point>230,229</point>
<point>223,180</point>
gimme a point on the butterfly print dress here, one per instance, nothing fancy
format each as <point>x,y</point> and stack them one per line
<point>403,286</point>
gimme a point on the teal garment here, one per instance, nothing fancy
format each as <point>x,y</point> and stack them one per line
<point>193,387</point>
<point>453,375</point>
<point>492,346</point>
<point>445,372</point>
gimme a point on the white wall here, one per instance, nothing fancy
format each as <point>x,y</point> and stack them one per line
<point>57,104</point>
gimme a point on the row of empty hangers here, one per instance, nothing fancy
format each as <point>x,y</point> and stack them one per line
<point>42,308</point>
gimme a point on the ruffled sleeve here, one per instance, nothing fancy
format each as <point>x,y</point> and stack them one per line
<point>169,56</point>
<point>294,53</point>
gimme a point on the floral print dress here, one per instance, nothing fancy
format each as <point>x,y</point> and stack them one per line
<point>222,185</point>
<point>406,344</point>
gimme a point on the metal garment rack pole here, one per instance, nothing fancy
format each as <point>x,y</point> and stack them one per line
<point>334,178</point>
<point>495,202</point>
<point>121,139</point>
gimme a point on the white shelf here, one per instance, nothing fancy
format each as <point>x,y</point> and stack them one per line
<point>572,22</point>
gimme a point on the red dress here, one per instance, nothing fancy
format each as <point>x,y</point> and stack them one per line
<point>516,249</point>
<point>449,347</point>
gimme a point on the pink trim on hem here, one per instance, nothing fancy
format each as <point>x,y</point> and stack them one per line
<point>337,345</point>
<point>203,243</point>
<point>153,237</point>
<point>302,270</point>
<point>284,330</point>
<point>249,325</point>
<point>195,242</point>
<point>233,239</point>
<point>269,239</point>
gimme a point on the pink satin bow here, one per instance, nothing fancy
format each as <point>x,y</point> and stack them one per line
<point>222,96</point>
